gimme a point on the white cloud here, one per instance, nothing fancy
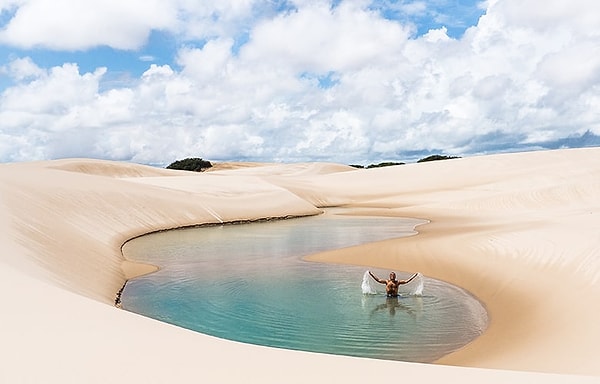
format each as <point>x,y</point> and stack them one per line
<point>208,62</point>
<point>21,69</point>
<point>576,67</point>
<point>52,92</point>
<point>82,24</point>
<point>318,38</point>
<point>340,83</point>
<point>202,19</point>
<point>580,16</point>
<point>342,131</point>
<point>413,8</point>
<point>147,58</point>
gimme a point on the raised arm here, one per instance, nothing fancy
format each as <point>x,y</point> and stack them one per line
<point>409,280</point>
<point>377,279</point>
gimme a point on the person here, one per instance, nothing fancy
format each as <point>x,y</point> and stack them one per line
<point>391,285</point>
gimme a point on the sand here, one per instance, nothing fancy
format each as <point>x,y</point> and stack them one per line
<point>520,231</point>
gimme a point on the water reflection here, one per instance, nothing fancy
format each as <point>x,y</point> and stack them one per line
<point>392,304</point>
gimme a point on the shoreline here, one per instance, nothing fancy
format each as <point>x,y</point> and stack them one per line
<point>519,231</point>
<point>133,269</point>
<point>489,350</point>
<point>333,213</point>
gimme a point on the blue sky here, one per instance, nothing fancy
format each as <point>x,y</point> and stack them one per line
<point>351,81</point>
<point>161,46</point>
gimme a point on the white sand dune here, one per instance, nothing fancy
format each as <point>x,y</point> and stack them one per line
<point>520,231</point>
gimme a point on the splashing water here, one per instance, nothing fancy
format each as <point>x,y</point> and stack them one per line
<point>368,285</point>
<point>414,288</point>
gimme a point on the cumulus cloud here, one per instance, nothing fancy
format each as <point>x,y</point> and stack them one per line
<point>21,69</point>
<point>318,38</point>
<point>210,19</point>
<point>577,16</point>
<point>77,25</point>
<point>314,81</point>
<point>52,92</point>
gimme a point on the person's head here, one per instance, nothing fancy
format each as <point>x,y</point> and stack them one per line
<point>392,275</point>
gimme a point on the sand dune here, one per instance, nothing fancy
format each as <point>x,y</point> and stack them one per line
<point>520,231</point>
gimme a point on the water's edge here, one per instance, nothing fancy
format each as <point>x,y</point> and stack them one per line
<point>133,269</point>
<point>354,230</point>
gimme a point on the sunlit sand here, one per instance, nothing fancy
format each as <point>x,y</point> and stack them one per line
<point>519,231</point>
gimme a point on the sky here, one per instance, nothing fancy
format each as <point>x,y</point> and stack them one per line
<point>347,81</point>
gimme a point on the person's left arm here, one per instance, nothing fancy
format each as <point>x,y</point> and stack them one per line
<point>409,280</point>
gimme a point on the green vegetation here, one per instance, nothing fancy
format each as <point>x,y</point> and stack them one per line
<point>384,164</point>
<point>194,164</point>
<point>390,163</point>
<point>437,157</point>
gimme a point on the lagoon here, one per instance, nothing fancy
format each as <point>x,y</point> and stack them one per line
<point>249,283</point>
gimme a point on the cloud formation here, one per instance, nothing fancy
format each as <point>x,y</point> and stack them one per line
<point>301,80</point>
<point>82,24</point>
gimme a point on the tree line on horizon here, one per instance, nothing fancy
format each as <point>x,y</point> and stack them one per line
<point>197,164</point>
<point>390,163</point>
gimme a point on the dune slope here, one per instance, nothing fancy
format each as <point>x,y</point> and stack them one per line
<point>520,231</point>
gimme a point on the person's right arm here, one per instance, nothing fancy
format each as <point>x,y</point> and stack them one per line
<point>377,279</point>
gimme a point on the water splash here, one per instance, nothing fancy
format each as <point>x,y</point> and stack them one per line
<point>368,285</point>
<point>414,288</point>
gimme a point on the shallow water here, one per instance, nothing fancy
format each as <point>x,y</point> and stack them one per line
<point>248,283</point>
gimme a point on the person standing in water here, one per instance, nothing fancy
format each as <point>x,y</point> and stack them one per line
<point>391,285</point>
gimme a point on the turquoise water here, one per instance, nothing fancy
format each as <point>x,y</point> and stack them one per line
<point>248,283</point>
